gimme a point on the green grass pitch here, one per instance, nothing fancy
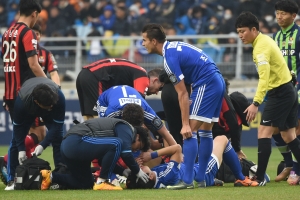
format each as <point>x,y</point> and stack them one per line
<point>272,191</point>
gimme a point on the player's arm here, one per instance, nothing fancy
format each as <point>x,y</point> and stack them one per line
<point>35,66</point>
<point>184,104</point>
<point>55,77</point>
<point>174,151</point>
<point>163,131</point>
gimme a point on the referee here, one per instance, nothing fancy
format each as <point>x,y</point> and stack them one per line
<point>280,111</point>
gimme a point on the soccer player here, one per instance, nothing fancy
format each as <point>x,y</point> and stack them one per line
<point>288,41</point>
<point>185,63</point>
<point>169,174</point>
<point>112,101</point>
<point>280,111</point>
<point>19,53</point>
<point>97,77</point>
<point>108,139</point>
<point>41,97</point>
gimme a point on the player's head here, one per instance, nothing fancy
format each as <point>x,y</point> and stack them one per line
<point>153,34</point>
<point>247,27</point>
<point>133,114</point>
<point>44,96</point>
<point>141,141</point>
<point>30,8</point>
<point>38,31</point>
<point>155,85</point>
<point>286,12</point>
<point>131,182</point>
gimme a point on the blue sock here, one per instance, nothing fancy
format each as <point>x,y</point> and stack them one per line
<point>190,152</point>
<point>204,153</point>
<point>284,150</point>
<point>230,158</point>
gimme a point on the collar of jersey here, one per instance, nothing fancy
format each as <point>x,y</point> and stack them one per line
<point>284,31</point>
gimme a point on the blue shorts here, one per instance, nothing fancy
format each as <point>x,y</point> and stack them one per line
<point>206,99</point>
<point>167,174</point>
<point>211,170</point>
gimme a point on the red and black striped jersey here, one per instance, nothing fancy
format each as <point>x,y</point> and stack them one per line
<point>117,71</point>
<point>46,60</point>
<point>18,43</point>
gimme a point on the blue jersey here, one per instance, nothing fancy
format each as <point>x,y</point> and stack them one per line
<point>182,60</point>
<point>112,101</point>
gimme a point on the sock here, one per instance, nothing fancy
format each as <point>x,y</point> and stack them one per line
<point>101,180</point>
<point>190,146</point>
<point>264,152</point>
<point>230,158</point>
<point>204,152</point>
<point>295,148</point>
<point>284,150</point>
<point>296,167</point>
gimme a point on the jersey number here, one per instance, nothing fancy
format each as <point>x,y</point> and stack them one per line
<point>9,48</point>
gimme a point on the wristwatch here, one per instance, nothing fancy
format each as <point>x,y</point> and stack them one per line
<point>255,103</point>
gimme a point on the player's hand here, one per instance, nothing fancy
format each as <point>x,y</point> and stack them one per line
<point>22,157</point>
<point>241,155</point>
<point>38,150</point>
<point>251,112</point>
<point>126,172</point>
<point>145,156</point>
<point>186,132</point>
<point>142,175</point>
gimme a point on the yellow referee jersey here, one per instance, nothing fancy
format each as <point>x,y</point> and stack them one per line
<point>270,65</point>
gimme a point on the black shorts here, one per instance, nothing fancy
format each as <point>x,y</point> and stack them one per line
<point>88,89</point>
<point>281,109</point>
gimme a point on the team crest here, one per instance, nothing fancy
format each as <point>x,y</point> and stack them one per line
<point>41,59</point>
<point>173,78</point>
<point>291,41</point>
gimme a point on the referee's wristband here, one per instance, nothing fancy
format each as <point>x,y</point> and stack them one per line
<point>154,154</point>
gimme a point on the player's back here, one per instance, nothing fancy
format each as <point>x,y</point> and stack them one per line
<point>18,43</point>
<point>192,61</point>
<point>116,71</point>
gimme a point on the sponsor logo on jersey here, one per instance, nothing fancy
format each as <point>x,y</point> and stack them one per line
<point>124,101</point>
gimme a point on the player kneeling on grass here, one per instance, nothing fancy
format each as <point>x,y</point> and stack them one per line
<point>170,174</point>
<point>105,139</point>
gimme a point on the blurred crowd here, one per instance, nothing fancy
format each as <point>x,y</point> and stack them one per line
<point>108,18</point>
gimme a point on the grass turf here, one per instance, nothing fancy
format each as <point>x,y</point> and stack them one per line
<point>272,191</point>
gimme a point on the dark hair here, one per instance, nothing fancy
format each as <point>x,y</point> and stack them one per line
<point>155,31</point>
<point>132,184</point>
<point>155,72</point>
<point>133,114</point>
<point>144,137</point>
<point>247,19</point>
<point>37,28</point>
<point>29,6</point>
<point>44,95</point>
<point>163,77</point>
<point>289,6</point>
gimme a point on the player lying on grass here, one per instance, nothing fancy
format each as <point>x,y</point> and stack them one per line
<point>170,174</point>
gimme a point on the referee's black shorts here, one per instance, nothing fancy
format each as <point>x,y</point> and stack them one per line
<point>88,89</point>
<point>281,109</point>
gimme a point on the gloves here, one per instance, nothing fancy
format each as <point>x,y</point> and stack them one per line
<point>126,172</point>
<point>142,175</point>
<point>38,150</point>
<point>121,179</point>
<point>22,157</point>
